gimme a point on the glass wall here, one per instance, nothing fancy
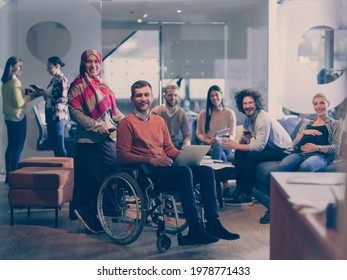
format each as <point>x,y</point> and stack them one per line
<point>136,59</point>
<point>193,56</point>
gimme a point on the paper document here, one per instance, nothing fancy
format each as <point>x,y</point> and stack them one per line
<point>317,180</point>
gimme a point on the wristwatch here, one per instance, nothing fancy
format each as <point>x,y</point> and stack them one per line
<point>319,148</point>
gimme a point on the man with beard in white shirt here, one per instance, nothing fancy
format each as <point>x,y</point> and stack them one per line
<point>263,139</point>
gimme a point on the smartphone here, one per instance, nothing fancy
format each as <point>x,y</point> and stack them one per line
<point>110,130</point>
<point>247,132</point>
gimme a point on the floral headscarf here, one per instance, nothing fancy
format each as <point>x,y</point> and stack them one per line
<point>91,94</point>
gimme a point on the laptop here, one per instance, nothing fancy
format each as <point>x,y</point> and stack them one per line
<point>191,155</point>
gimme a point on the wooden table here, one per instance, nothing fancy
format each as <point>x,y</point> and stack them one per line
<point>295,231</point>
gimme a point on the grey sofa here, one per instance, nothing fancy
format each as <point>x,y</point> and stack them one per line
<point>261,190</point>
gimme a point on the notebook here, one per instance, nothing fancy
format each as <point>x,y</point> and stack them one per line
<point>191,155</point>
<point>222,133</point>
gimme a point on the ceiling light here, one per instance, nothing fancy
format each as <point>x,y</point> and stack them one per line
<point>179,11</point>
<point>139,20</point>
<point>145,15</point>
<point>3,2</point>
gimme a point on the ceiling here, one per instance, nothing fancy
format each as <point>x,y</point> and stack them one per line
<point>129,11</point>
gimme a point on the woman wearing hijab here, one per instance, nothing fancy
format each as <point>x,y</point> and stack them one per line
<point>14,103</point>
<point>93,108</point>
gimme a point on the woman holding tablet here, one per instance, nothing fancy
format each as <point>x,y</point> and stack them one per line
<point>14,100</point>
<point>214,122</point>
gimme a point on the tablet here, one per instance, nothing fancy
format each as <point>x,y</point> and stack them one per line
<point>35,87</point>
<point>221,133</point>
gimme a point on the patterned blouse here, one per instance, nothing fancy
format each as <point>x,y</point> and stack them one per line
<point>60,87</point>
<point>334,137</point>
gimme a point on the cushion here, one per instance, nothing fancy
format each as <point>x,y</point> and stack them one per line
<point>47,161</point>
<point>263,171</point>
<point>40,197</point>
<point>292,125</point>
<point>338,166</point>
<point>41,177</point>
<point>239,131</point>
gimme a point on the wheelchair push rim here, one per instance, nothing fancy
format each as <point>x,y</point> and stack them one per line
<point>121,208</point>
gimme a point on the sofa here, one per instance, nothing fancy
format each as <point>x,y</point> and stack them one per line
<point>261,190</point>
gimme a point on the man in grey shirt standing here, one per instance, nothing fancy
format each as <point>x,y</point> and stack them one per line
<point>263,139</point>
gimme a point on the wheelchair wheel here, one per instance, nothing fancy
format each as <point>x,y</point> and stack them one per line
<point>171,225</point>
<point>163,243</point>
<point>121,208</point>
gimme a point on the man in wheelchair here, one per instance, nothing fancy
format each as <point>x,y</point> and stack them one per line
<point>143,138</point>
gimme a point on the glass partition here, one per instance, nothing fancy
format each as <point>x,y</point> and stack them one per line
<point>193,56</point>
<point>136,59</point>
<point>192,53</point>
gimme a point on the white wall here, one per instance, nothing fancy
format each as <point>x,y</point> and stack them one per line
<point>296,83</point>
<point>16,17</point>
<point>247,45</point>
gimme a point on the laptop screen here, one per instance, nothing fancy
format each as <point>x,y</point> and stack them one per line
<point>191,155</point>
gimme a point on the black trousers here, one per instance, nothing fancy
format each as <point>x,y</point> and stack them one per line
<point>182,178</point>
<point>92,163</point>
<point>246,164</point>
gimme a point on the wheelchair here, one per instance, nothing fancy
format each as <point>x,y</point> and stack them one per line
<point>129,200</point>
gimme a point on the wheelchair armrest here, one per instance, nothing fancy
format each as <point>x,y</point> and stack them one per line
<point>146,169</point>
<point>136,170</point>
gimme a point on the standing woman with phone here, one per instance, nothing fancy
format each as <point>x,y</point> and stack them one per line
<point>14,103</point>
<point>56,108</point>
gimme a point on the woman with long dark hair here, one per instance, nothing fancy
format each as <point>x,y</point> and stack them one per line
<point>14,102</point>
<point>214,118</point>
<point>56,108</point>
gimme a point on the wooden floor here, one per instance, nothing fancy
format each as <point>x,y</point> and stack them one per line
<point>35,238</point>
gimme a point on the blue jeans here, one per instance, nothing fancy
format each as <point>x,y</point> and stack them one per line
<point>303,162</point>
<point>50,128</point>
<point>219,152</point>
<point>182,178</point>
<point>58,138</point>
<point>16,134</point>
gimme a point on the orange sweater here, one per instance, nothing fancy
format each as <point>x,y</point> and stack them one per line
<point>138,141</point>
